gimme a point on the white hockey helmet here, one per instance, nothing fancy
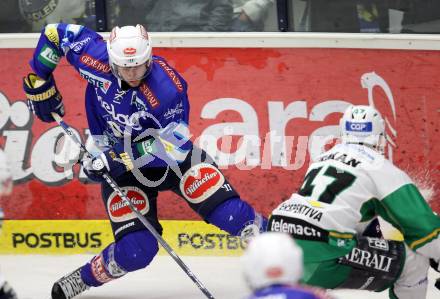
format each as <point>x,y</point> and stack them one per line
<point>272,258</point>
<point>129,46</point>
<point>363,125</point>
<point>5,176</point>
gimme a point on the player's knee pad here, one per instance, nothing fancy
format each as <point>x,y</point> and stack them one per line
<point>234,215</point>
<point>375,264</point>
<point>134,251</point>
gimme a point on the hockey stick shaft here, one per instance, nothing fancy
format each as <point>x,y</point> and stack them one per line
<point>127,201</point>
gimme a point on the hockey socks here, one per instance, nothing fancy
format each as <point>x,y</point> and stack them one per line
<point>132,252</point>
<point>236,217</point>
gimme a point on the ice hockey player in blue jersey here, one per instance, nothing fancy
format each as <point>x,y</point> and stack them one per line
<point>137,110</point>
<point>272,265</point>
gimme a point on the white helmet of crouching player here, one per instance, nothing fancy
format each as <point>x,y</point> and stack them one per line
<point>5,176</point>
<point>363,125</point>
<point>272,258</point>
<point>130,53</point>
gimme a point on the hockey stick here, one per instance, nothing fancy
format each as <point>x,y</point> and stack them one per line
<point>127,201</point>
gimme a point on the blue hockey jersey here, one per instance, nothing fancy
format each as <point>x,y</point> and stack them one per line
<point>288,292</point>
<point>159,100</point>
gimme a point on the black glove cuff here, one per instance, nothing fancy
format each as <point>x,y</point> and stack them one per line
<point>41,93</point>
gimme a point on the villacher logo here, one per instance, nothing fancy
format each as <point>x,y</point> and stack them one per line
<point>200,182</point>
<point>119,210</point>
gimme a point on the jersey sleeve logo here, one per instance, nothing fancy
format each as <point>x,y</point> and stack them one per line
<point>172,74</point>
<point>51,33</point>
<point>48,57</point>
<point>77,46</point>
<point>95,63</point>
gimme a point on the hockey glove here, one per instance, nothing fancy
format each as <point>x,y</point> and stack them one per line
<point>43,97</point>
<point>114,161</point>
<point>94,168</point>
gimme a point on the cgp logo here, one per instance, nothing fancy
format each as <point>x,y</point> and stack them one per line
<point>200,182</point>
<point>359,127</point>
<point>119,210</point>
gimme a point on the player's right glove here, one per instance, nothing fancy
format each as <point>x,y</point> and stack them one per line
<point>43,97</point>
<point>114,162</point>
<point>94,168</point>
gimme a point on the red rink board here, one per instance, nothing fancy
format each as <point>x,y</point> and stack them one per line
<point>303,90</point>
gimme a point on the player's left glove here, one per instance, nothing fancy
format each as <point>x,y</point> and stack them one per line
<point>43,97</point>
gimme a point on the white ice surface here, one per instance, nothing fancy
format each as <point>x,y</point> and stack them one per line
<point>33,275</point>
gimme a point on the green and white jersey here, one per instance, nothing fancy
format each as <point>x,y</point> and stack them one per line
<point>345,187</point>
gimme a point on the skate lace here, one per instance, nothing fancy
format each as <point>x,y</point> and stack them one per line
<point>72,285</point>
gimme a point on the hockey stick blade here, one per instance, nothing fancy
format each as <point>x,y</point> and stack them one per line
<point>127,201</point>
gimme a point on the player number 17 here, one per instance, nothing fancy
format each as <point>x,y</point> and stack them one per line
<point>342,180</point>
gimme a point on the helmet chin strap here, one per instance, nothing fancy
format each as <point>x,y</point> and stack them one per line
<point>117,74</point>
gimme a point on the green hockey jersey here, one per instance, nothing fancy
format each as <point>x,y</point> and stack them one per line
<point>343,189</point>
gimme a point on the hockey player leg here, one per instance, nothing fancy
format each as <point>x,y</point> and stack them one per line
<point>238,218</point>
<point>375,264</point>
<point>413,281</point>
<point>212,196</point>
<point>132,252</point>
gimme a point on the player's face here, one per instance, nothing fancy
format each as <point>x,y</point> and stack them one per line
<point>133,75</point>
